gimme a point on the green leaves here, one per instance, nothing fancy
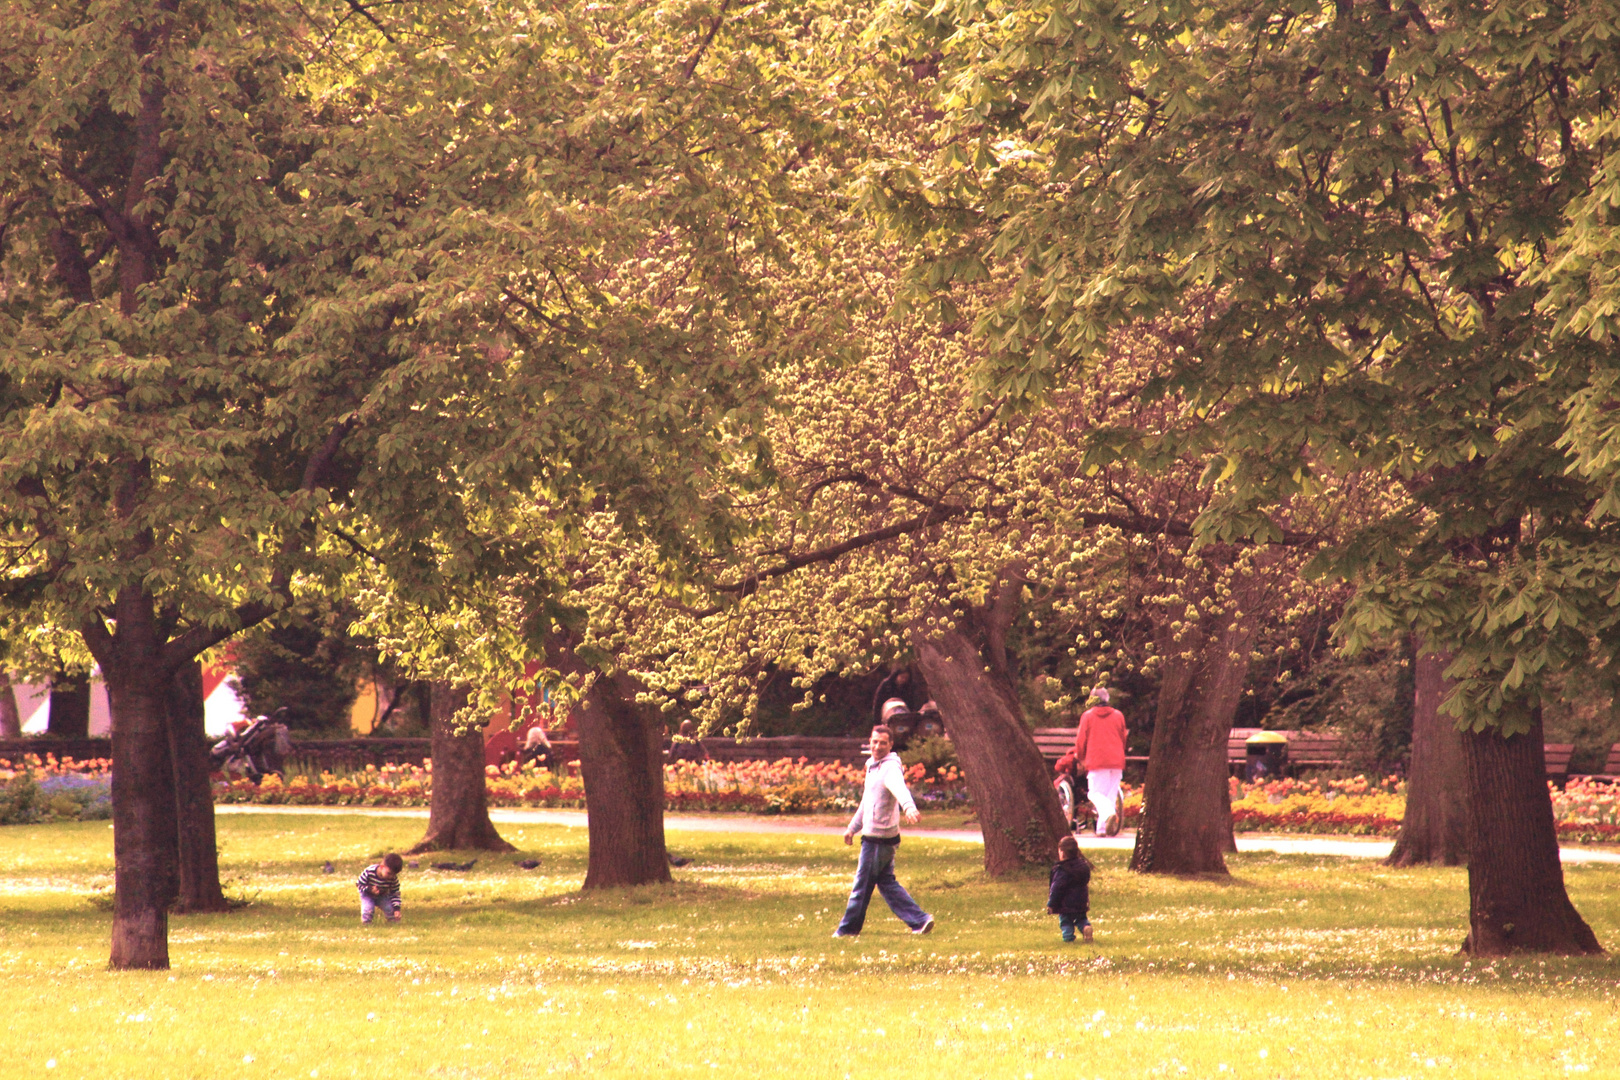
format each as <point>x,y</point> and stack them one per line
<point>1388,235</point>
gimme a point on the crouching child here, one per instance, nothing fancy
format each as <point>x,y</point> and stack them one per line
<point>379,888</point>
<point>1070,897</point>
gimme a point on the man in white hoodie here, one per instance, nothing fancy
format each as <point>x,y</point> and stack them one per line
<point>878,822</point>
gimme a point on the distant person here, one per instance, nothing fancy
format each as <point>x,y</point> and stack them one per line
<point>686,746</point>
<point>379,888</point>
<point>877,820</point>
<point>898,684</point>
<point>1099,744</point>
<point>537,748</point>
<point>1070,895</point>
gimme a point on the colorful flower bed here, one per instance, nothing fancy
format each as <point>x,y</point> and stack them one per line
<point>1355,806</point>
<point>46,788</point>
<point>784,786</point>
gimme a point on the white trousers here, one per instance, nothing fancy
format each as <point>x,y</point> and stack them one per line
<point>1102,787</point>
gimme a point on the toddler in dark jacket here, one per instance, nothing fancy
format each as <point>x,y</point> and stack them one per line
<point>1070,898</point>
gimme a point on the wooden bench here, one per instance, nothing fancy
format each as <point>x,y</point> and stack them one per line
<point>1307,749</point>
<point>1237,749</point>
<point>1054,742</point>
<point>1558,755</point>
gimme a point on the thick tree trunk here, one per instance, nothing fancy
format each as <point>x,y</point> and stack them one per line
<point>458,816</point>
<point>1435,828</point>
<point>1011,784</point>
<point>10,715</point>
<point>621,758</point>
<point>69,716</point>
<point>1187,806</point>
<point>1516,897</point>
<point>145,874</point>
<point>198,850</point>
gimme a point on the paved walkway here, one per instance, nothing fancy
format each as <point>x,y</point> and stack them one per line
<point>1348,847</point>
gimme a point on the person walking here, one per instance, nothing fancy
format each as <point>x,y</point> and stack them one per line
<point>1070,895</point>
<point>1099,744</point>
<point>877,820</point>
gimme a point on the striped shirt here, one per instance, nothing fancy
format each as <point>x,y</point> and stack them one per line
<point>372,878</point>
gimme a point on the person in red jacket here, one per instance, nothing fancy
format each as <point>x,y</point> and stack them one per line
<point>1099,743</point>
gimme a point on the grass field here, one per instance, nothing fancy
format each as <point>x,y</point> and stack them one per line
<point>1297,967</point>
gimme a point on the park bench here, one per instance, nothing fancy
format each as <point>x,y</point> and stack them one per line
<point>1054,742</point>
<point>1558,755</point>
<point>1307,749</point>
<point>1325,750</point>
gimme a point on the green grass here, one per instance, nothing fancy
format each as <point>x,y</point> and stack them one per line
<point>1330,967</point>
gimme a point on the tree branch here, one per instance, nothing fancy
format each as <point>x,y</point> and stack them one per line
<point>714,28</point>
<point>364,12</point>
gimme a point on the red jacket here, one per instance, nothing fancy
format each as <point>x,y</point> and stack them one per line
<point>1100,741</point>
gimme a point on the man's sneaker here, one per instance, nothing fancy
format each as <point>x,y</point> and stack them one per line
<point>925,928</point>
<point>841,933</point>
<point>1085,933</point>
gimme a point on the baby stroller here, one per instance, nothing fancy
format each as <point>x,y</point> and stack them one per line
<point>259,747</point>
<point>1070,782</point>
<point>906,725</point>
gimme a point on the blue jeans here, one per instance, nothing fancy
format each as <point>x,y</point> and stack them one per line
<point>389,902</point>
<point>1070,923</point>
<point>875,870</point>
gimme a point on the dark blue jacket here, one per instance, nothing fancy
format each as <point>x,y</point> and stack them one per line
<point>1071,893</point>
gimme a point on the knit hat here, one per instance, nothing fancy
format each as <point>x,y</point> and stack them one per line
<point>1099,693</point>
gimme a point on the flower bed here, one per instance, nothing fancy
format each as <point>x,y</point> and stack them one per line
<point>46,788</point>
<point>1356,806</point>
<point>762,787</point>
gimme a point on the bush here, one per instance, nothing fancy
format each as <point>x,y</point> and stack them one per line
<point>20,800</point>
<point>935,755</point>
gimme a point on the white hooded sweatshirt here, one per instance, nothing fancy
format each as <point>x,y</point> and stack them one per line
<point>886,795</point>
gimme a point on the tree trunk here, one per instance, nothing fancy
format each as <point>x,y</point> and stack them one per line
<point>198,851</point>
<point>1011,783</point>
<point>10,715</point>
<point>69,716</point>
<point>621,758</point>
<point>1516,897</point>
<point>1435,827</point>
<point>458,816</point>
<point>145,855</point>
<point>1187,806</point>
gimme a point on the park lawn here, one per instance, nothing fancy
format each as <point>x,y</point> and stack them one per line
<point>1297,967</point>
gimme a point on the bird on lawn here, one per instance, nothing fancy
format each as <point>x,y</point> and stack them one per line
<point>328,868</point>
<point>468,865</point>
<point>529,864</point>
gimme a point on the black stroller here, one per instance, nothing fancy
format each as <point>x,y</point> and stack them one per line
<point>260,748</point>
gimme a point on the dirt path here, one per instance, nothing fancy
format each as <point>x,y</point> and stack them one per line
<point>1348,847</point>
